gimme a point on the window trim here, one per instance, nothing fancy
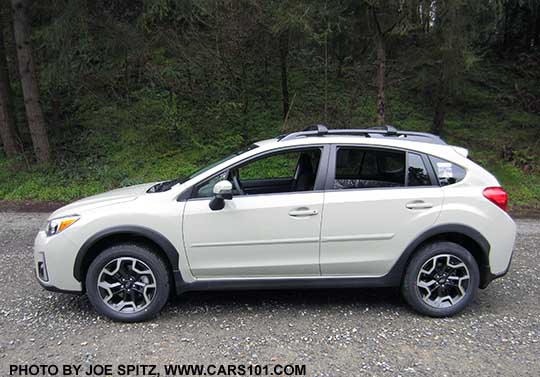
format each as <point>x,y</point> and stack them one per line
<point>320,178</point>
<point>331,169</point>
<point>431,170</point>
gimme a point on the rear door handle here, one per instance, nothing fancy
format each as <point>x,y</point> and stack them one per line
<point>418,204</point>
<point>302,212</point>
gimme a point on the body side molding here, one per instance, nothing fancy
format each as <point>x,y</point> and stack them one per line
<point>391,279</point>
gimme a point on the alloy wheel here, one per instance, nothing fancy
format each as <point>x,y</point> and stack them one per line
<point>126,285</point>
<point>443,281</point>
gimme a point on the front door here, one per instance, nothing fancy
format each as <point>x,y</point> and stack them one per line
<point>270,228</point>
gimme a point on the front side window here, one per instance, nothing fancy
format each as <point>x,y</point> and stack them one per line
<point>278,166</point>
<point>287,171</point>
<point>369,168</point>
<point>447,172</point>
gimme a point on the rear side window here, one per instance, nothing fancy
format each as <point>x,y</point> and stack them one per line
<point>447,172</point>
<point>369,168</point>
<point>417,174</point>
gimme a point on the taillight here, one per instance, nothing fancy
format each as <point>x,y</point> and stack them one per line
<point>498,196</point>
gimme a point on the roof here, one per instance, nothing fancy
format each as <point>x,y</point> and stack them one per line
<point>376,132</point>
<point>386,136</point>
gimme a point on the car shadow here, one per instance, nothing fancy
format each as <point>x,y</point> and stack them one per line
<point>372,298</point>
<point>263,302</point>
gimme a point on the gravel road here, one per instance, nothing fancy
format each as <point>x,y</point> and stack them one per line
<point>333,332</point>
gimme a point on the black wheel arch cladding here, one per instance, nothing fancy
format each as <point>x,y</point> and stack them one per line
<point>397,271</point>
<point>88,251</point>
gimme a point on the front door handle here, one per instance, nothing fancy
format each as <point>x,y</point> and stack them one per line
<point>418,204</point>
<point>302,212</point>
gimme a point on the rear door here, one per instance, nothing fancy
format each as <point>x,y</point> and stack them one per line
<point>377,201</point>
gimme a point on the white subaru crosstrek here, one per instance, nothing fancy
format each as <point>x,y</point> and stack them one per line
<point>313,209</point>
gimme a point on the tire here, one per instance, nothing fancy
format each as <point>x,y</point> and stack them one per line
<point>128,273</point>
<point>437,293</point>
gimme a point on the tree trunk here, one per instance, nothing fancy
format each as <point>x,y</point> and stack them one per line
<point>266,84</point>
<point>339,73</point>
<point>283,53</point>
<point>426,17</point>
<point>380,48</point>
<point>95,7</point>
<point>8,130</point>
<point>536,40</point>
<point>414,13</point>
<point>381,72</point>
<point>531,23</point>
<point>505,29</point>
<point>438,118</point>
<point>34,113</point>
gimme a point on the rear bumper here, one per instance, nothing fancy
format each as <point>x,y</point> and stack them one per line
<point>489,276</point>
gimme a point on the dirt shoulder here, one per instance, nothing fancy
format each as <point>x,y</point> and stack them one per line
<point>29,206</point>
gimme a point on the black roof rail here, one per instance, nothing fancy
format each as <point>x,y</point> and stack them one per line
<point>377,131</point>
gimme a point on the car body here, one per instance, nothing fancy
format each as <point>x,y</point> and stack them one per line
<point>349,208</point>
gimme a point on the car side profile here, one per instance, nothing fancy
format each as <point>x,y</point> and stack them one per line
<point>318,208</point>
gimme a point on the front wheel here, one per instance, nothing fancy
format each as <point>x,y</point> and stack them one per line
<point>441,279</point>
<point>128,283</point>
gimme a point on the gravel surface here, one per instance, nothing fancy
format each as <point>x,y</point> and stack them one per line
<point>333,332</point>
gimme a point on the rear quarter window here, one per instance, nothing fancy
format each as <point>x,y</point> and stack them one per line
<point>447,172</point>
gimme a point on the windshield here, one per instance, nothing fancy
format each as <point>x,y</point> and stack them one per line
<point>216,163</point>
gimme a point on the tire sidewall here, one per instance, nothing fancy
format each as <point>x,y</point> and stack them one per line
<point>411,292</point>
<point>151,260</point>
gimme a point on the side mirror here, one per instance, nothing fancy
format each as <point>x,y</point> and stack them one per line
<point>222,191</point>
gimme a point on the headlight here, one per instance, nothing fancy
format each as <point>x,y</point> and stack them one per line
<point>60,224</point>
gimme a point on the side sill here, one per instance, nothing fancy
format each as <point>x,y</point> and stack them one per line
<point>271,284</point>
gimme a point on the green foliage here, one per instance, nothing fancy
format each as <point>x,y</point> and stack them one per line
<point>144,91</point>
<point>279,166</point>
<point>524,189</point>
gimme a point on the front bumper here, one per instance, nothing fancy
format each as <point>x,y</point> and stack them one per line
<point>52,288</point>
<point>53,263</point>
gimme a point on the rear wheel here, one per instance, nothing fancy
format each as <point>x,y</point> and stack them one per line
<point>441,279</point>
<point>128,283</point>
